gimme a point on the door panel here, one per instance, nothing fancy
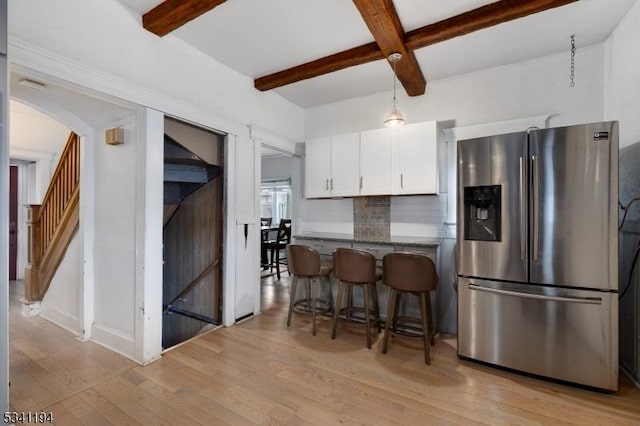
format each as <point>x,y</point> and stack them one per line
<point>560,333</point>
<point>317,168</point>
<point>375,164</point>
<point>573,206</point>
<point>415,158</point>
<point>345,156</point>
<point>496,165</point>
<point>13,221</point>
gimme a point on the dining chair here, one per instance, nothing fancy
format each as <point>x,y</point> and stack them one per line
<point>283,237</point>
<point>265,227</point>
<point>265,221</point>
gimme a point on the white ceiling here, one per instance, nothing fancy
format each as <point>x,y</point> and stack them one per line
<point>257,38</point>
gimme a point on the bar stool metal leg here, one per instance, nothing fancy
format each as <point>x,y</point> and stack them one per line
<point>336,312</point>
<point>294,287</point>
<point>425,311</point>
<point>365,288</point>
<point>312,297</point>
<point>390,319</point>
<point>432,330</point>
<point>376,306</point>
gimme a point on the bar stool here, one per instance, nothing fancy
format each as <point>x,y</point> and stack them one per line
<point>304,262</point>
<point>356,267</point>
<point>409,273</point>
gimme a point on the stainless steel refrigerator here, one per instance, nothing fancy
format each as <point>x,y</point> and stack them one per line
<point>537,252</point>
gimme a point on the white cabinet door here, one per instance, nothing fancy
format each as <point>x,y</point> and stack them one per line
<point>375,162</point>
<point>415,158</point>
<point>317,164</point>
<point>345,173</point>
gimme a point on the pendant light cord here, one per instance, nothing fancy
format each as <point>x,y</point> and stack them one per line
<point>394,80</point>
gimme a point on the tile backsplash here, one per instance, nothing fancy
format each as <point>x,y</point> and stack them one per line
<point>372,217</point>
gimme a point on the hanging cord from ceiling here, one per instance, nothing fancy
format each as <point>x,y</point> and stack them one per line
<point>572,74</point>
<point>636,253</point>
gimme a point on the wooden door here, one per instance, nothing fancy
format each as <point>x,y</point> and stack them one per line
<point>13,221</point>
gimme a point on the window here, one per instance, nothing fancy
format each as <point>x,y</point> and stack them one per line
<point>275,200</point>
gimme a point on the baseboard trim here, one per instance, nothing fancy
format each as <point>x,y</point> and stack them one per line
<point>60,318</point>
<point>114,340</point>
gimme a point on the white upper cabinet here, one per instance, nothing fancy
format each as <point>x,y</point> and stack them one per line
<point>345,153</point>
<point>415,159</point>
<point>331,166</point>
<point>317,165</point>
<point>398,161</point>
<point>375,162</point>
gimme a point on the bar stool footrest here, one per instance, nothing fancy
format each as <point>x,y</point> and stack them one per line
<point>346,314</point>
<point>304,306</point>
<point>405,328</point>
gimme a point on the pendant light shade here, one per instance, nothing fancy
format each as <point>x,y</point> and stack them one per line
<point>395,117</point>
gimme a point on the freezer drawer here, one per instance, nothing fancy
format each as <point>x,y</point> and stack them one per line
<point>560,333</point>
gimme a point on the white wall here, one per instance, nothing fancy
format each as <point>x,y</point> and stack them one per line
<point>61,303</point>
<point>114,247</point>
<point>622,77</point>
<point>538,86</point>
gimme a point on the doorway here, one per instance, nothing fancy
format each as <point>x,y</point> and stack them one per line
<point>192,232</point>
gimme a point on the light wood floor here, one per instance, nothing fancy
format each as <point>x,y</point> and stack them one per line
<point>260,371</point>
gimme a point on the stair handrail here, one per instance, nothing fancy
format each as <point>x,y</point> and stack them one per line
<point>57,198</point>
<point>52,223</point>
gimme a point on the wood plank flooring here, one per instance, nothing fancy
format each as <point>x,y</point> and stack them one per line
<point>261,372</point>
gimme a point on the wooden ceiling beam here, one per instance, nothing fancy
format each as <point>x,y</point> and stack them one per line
<point>478,19</point>
<point>172,14</point>
<point>465,23</point>
<point>349,58</point>
<point>383,22</point>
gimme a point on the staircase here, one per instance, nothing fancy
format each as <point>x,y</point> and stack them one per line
<point>52,224</point>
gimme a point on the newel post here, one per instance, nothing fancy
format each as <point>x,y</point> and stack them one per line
<point>32,268</point>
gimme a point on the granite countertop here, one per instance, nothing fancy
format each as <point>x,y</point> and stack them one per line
<point>392,240</point>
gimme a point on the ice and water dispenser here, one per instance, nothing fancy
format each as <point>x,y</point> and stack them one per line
<point>482,213</point>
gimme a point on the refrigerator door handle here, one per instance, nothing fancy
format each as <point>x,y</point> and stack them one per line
<point>535,165</point>
<point>523,212</point>
<point>585,300</point>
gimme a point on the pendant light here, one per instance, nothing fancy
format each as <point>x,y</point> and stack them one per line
<point>395,117</point>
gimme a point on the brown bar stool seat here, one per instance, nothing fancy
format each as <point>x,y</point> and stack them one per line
<point>304,262</point>
<point>409,273</point>
<point>356,267</point>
